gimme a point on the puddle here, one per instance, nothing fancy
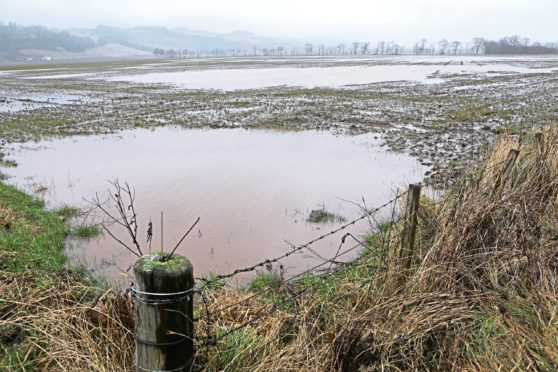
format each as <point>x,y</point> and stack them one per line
<point>252,189</point>
<point>31,101</point>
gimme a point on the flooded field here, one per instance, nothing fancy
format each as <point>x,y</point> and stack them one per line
<point>253,190</point>
<point>267,139</point>
<point>367,71</point>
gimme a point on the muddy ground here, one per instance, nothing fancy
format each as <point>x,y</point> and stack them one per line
<point>443,123</point>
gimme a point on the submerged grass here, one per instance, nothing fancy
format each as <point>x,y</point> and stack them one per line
<point>86,231</point>
<point>324,216</point>
<point>8,163</point>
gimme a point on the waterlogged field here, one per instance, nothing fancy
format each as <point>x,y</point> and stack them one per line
<point>337,129</point>
<point>254,190</point>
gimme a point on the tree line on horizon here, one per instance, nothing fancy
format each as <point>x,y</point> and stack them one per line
<point>506,45</point>
<point>14,39</point>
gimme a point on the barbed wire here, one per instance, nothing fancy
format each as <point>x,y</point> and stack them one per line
<point>300,247</point>
<point>361,285</point>
<point>212,340</point>
<point>330,261</point>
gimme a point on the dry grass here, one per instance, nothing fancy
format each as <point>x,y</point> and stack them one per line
<point>7,217</point>
<point>58,329</point>
<point>481,295</point>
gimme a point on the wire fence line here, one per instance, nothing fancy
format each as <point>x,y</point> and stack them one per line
<point>290,290</point>
<point>210,340</point>
<point>301,247</point>
<point>209,336</point>
<point>313,286</point>
<point>205,342</point>
<point>286,281</point>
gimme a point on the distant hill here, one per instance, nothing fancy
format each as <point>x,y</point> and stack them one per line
<point>38,42</point>
<point>151,37</point>
<point>14,39</point>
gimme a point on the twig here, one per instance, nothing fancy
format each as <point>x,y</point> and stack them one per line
<point>184,236</point>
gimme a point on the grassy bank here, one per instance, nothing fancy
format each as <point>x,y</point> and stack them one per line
<point>481,293</point>
<point>47,321</point>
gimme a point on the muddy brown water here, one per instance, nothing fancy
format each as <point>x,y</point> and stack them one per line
<point>252,189</point>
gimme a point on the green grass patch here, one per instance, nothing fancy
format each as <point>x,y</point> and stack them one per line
<point>235,352</point>
<point>487,331</point>
<point>377,235</point>
<point>32,244</point>
<point>68,211</point>
<point>86,231</point>
<point>267,285</point>
<point>211,282</point>
<point>34,241</point>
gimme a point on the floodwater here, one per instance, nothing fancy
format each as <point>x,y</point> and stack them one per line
<point>31,101</point>
<point>252,189</point>
<point>237,73</point>
<point>367,71</point>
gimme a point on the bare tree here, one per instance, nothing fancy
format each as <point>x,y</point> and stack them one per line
<point>455,46</point>
<point>355,47</point>
<point>119,209</point>
<point>422,45</point>
<point>364,47</point>
<point>443,45</point>
<point>380,47</point>
<point>122,198</point>
<point>308,48</point>
<point>478,45</point>
<point>341,48</point>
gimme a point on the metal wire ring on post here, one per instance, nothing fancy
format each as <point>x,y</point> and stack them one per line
<point>137,294</point>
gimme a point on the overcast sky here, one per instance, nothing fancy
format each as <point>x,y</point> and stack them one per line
<point>403,21</point>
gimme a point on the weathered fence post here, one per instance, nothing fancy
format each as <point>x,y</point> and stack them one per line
<point>502,177</point>
<point>163,293</point>
<point>410,228</point>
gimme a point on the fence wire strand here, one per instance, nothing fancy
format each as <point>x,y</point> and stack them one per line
<point>300,247</point>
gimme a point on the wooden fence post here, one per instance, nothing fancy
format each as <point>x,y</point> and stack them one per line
<point>410,228</point>
<point>163,294</point>
<point>502,177</point>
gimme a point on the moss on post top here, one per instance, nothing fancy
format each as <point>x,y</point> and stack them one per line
<point>157,260</point>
